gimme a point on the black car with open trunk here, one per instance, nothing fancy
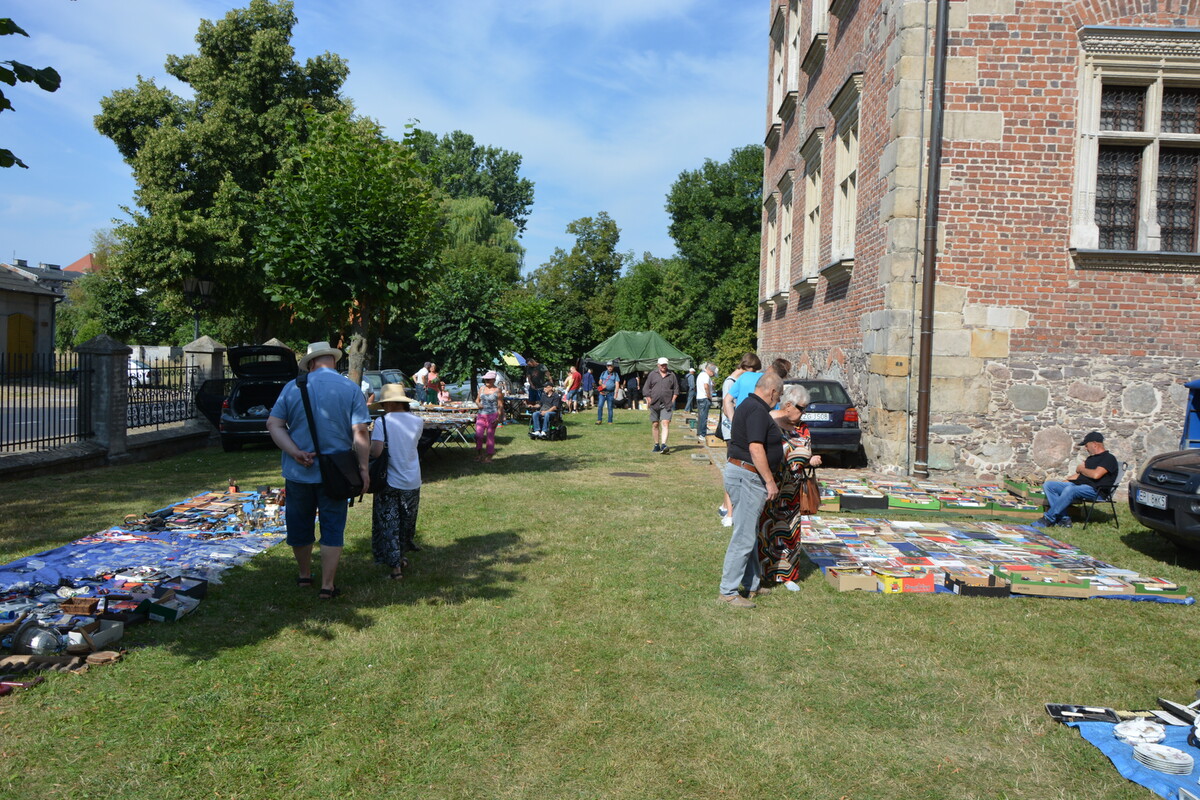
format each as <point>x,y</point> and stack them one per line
<point>239,407</point>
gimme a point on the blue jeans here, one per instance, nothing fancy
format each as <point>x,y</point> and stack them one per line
<point>535,395</point>
<point>303,501</point>
<point>1060,495</point>
<point>541,421</point>
<point>419,393</point>
<point>748,494</point>
<point>702,409</point>
<point>691,398</point>
<point>605,397</point>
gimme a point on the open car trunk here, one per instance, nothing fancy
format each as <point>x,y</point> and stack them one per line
<point>254,400</point>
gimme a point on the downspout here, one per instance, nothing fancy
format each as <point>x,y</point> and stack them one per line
<point>929,275</point>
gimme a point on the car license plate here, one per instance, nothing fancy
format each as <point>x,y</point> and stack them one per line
<point>1152,499</point>
<point>815,416</point>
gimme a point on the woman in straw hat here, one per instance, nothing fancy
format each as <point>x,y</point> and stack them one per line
<point>491,414</point>
<point>394,513</point>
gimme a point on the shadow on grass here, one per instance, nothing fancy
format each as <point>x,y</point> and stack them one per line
<point>260,600</point>
<point>1158,547</point>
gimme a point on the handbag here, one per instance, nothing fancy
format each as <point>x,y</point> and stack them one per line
<point>377,466</point>
<point>809,492</point>
<point>340,477</point>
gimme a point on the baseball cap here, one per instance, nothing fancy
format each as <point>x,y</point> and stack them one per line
<point>1094,436</point>
<point>662,361</point>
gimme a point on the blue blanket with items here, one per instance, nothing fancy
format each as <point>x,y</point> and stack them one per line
<point>1120,754</point>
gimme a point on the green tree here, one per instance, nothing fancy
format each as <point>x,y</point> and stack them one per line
<point>200,162</point>
<point>348,228</point>
<point>572,280</point>
<point>737,339</point>
<point>535,327</point>
<point>716,220</point>
<point>104,302</point>
<point>462,168</point>
<point>476,237</point>
<point>15,72</point>
<point>464,316</point>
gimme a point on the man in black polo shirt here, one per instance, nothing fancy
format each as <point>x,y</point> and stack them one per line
<point>755,449</point>
<point>1098,471</point>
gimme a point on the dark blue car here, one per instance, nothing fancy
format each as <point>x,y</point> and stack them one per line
<point>831,417</point>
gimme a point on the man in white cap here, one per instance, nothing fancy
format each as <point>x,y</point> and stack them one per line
<point>341,416</point>
<point>661,391</point>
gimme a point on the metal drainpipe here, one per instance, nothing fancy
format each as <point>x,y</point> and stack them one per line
<point>929,276</point>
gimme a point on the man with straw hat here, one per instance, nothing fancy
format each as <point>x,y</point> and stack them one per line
<point>341,416</point>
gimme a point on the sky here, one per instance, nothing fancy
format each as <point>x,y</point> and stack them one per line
<point>607,101</point>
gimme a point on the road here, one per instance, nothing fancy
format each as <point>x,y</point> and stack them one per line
<point>56,418</point>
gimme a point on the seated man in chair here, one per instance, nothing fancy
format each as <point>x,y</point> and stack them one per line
<point>1098,471</point>
<point>550,404</point>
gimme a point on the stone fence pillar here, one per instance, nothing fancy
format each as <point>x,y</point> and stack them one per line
<point>208,356</point>
<point>106,409</point>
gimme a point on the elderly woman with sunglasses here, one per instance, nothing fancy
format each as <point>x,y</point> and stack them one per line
<point>778,543</point>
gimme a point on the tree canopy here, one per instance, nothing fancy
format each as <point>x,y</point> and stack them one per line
<point>348,226</point>
<point>200,163</point>
<point>462,168</point>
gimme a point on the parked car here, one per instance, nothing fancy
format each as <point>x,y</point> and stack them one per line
<point>378,378</point>
<point>141,373</point>
<point>831,417</point>
<point>1166,497</point>
<point>239,407</point>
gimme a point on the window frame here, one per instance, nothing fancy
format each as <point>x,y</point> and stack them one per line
<point>1154,58</point>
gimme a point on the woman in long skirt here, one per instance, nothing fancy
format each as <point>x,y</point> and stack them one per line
<point>394,511</point>
<point>778,536</point>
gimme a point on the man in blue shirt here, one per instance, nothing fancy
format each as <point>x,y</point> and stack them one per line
<point>606,384</point>
<point>341,417</point>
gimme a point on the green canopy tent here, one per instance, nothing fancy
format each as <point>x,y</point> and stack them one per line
<point>636,350</point>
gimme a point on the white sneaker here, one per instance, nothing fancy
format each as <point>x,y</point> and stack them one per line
<point>727,522</point>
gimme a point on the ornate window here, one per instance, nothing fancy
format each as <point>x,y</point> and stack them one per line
<point>1137,203</point>
<point>783,266</point>
<point>770,248</point>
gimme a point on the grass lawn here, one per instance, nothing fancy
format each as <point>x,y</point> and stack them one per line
<point>559,637</point>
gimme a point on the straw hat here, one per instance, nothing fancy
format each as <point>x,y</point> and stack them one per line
<point>316,350</point>
<point>391,393</point>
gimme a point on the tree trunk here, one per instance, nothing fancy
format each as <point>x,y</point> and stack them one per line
<point>357,352</point>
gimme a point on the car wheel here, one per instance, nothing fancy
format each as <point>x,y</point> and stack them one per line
<point>230,446</point>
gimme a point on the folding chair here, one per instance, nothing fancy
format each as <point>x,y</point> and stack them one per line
<point>1105,496</point>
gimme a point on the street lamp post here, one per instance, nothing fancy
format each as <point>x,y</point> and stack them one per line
<point>198,293</point>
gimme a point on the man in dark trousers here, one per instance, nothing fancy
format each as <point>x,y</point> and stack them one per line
<point>1098,471</point>
<point>661,390</point>
<point>755,449</point>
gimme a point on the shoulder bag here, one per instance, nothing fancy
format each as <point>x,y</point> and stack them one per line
<point>809,492</point>
<point>340,477</point>
<point>377,467</point>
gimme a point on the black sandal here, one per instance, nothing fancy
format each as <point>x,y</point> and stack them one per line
<point>302,581</point>
<point>395,575</point>
<point>329,594</point>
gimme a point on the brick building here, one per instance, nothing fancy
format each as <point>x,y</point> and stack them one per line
<point>1068,257</point>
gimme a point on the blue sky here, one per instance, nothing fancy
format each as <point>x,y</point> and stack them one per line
<point>607,101</point>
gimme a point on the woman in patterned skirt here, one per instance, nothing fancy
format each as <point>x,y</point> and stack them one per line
<point>778,543</point>
<point>394,512</point>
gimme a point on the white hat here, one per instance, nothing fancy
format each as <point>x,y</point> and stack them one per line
<point>316,350</point>
<point>691,369</point>
<point>663,360</point>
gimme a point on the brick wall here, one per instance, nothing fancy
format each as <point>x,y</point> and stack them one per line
<point>1015,314</point>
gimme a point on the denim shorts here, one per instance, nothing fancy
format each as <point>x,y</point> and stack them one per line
<point>300,511</point>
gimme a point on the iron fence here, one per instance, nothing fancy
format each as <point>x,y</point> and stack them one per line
<point>42,400</point>
<point>161,392</point>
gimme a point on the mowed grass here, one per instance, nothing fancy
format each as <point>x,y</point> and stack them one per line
<point>559,637</point>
